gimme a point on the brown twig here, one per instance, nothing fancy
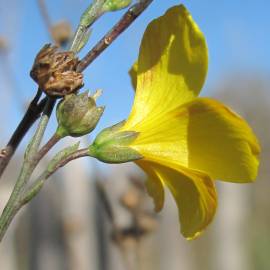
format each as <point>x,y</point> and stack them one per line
<point>128,18</point>
<point>32,114</point>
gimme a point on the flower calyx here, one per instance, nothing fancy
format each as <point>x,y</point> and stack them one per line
<point>113,145</point>
<point>55,72</point>
<point>78,115</point>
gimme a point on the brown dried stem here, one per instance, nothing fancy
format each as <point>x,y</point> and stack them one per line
<point>32,114</point>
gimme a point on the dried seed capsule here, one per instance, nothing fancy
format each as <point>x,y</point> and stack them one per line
<point>55,72</point>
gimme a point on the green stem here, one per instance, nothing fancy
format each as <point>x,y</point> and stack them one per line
<point>91,14</point>
<point>58,162</point>
<point>28,166</point>
<point>47,147</point>
<point>127,19</point>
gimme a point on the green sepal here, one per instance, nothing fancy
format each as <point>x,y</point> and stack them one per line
<point>114,154</point>
<point>61,132</point>
<point>113,145</point>
<point>108,133</point>
<point>124,138</point>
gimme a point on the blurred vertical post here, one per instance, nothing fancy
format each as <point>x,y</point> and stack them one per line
<point>234,234</point>
<point>230,245</point>
<point>78,215</point>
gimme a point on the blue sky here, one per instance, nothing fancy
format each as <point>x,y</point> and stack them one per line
<point>237,34</point>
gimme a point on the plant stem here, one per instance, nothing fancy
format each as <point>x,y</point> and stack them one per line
<point>32,114</point>
<point>46,147</point>
<point>38,184</point>
<point>78,154</point>
<point>128,18</point>
<point>28,166</point>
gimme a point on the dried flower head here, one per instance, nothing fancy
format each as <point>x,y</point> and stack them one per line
<point>55,72</point>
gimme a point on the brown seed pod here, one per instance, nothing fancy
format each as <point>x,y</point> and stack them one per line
<point>61,84</point>
<point>55,72</point>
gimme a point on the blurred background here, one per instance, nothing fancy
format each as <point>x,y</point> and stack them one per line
<point>92,216</point>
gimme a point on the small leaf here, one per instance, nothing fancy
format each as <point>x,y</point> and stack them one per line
<point>84,40</point>
<point>114,154</point>
<point>62,155</point>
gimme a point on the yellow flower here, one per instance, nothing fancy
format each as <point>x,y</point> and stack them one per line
<point>185,142</point>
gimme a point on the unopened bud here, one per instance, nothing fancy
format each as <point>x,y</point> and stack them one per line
<point>77,115</point>
<point>114,5</point>
<point>113,145</point>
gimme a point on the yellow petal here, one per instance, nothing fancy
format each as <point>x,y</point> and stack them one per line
<point>219,141</point>
<point>203,135</point>
<point>162,137</point>
<point>172,64</point>
<point>154,186</point>
<point>193,191</point>
<point>133,75</point>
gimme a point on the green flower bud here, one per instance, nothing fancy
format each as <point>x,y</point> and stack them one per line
<point>113,146</point>
<point>78,115</point>
<point>114,5</point>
